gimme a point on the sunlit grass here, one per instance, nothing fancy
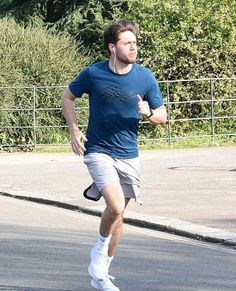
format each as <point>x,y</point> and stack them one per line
<point>188,143</point>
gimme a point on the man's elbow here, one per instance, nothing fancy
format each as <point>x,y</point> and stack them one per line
<point>67,95</point>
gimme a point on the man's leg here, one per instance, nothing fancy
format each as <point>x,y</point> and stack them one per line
<point>115,205</point>
<point>111,223</point>
<point>115,240</point>
<point>116,235</point>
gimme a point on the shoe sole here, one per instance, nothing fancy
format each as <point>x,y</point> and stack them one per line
<point>90,272</point>
<point>95,285</point>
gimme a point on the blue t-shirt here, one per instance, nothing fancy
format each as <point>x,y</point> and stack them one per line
<point>113,106</point>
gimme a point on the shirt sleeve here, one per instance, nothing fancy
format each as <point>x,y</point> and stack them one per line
<point>80,84</point>
<point>153,95</point>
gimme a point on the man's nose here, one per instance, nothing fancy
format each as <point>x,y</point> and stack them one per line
<point>133,46</point>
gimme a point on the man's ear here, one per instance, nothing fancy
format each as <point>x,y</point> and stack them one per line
<point>112,48</point>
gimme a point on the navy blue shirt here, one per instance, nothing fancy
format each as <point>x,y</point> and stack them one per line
<point>113,106</point>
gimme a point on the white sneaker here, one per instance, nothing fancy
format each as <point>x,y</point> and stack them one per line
<point>98,265</point>
<point>108,265</point>
<point>104,284</point>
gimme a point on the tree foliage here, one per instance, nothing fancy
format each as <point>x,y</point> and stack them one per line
<point>178,39</point>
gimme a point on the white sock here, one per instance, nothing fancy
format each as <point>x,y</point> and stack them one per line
<point>103,242</point>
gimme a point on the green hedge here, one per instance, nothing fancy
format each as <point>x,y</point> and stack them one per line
<point>32,56</point>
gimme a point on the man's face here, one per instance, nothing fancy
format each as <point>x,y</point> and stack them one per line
<point>126,48</point>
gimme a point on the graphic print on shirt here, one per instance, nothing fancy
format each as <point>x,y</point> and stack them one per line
<point>116,93</point>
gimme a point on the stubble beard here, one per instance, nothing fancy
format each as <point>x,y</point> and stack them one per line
<point>126,60</point>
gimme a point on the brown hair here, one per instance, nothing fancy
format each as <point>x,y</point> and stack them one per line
<point>111,34</point>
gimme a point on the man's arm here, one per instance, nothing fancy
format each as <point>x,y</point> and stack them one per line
<point>159,115</point>
<point>68,108</point>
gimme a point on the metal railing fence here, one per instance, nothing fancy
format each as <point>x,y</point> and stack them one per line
<point>197,108</point>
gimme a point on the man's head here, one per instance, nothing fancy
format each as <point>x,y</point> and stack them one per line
<point>120,41</point>
<point>112,33</point>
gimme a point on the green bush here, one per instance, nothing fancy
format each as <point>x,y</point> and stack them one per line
<point>186,39</point>
<point>31,56</point>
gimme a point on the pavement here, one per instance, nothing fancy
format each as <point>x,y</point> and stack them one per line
<point>188,192</point>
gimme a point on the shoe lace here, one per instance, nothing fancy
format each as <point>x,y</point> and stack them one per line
<point>111,277</point>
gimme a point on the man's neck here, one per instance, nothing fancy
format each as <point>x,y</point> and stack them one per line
<point>119,67</point>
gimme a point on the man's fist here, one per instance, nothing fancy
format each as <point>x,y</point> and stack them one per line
<point>143,106</point>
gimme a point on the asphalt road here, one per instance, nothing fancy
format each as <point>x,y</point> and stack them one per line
<point>46,248</point>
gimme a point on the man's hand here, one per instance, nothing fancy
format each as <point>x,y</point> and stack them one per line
<point>77,137</point>
<point>143,106</point>
<point>77,142</point>
<point>155,116</point>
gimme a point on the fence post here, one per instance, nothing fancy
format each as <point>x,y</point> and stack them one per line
<point>212,112</point>
<point>34,115</point>
<point>168,111</point>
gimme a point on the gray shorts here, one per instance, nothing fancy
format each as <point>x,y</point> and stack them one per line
<point>105,170</point>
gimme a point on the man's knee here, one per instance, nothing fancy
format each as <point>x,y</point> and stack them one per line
<point>115,200</point>
<point>116,212</point>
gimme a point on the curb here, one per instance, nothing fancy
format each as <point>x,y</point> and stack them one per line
<point>172,226</point>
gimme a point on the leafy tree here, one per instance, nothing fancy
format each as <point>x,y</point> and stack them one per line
<point>84,20</point>
<point>4,5</point>
<point>178,39</point>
